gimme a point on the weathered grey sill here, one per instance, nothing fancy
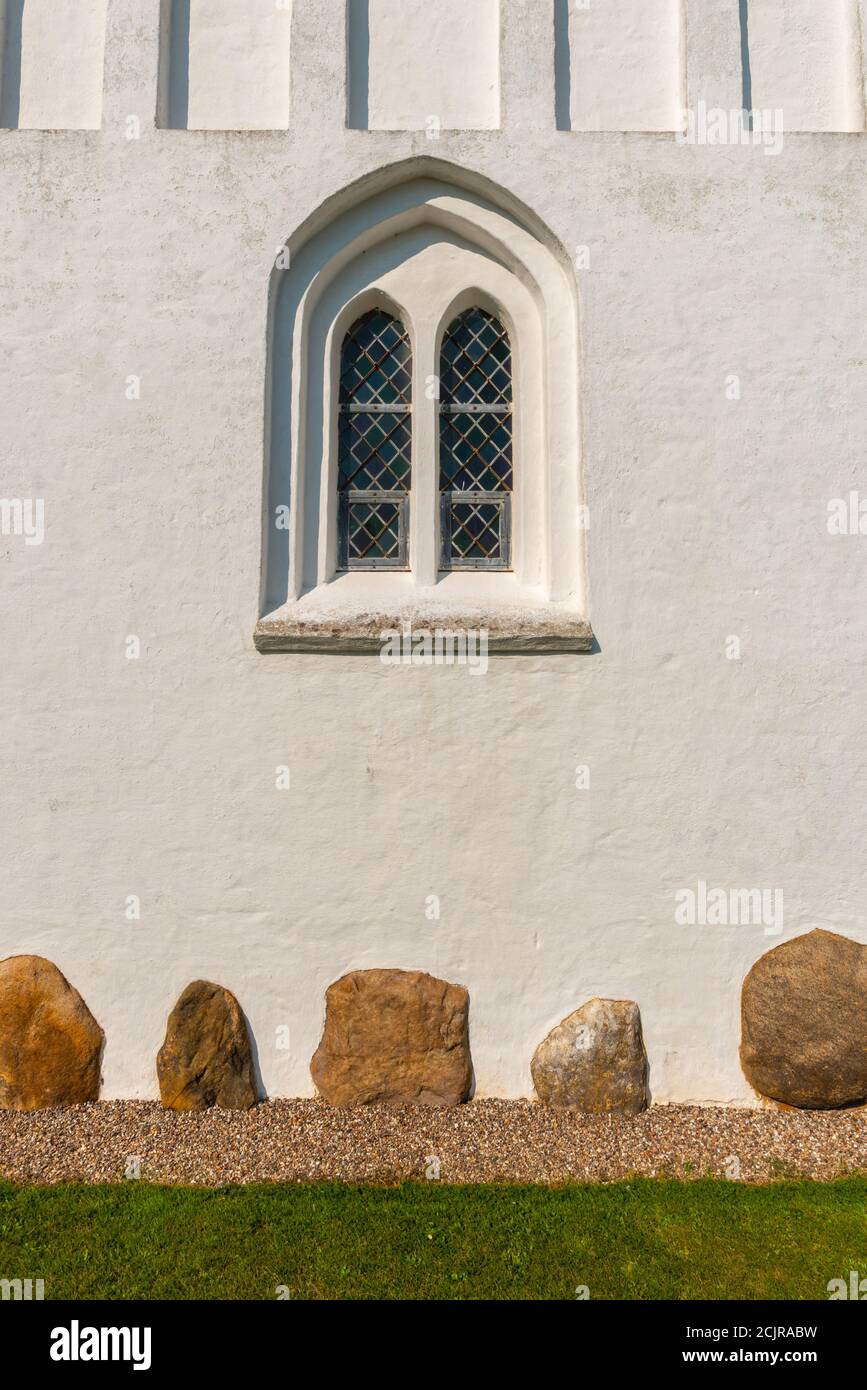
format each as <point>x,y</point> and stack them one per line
<point>363,636</point>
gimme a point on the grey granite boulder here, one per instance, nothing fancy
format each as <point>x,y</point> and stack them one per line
<point>594,1060</point>
<point>804,1022</point>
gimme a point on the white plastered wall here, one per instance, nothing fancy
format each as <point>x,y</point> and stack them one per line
<point>433,63</point>
<point>156,777</point>
<point>804,62</point>
<point>61,73</point>
<point>626,64</point>
<point>239,64</point>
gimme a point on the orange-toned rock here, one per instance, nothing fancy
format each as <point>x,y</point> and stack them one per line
<point>50,1043</point>
<point>206,1058</point>
<point>392,1036</point>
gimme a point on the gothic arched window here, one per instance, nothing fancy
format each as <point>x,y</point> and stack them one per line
<point>423,421</point>
<point>375,444</point>
<point>476,475</point>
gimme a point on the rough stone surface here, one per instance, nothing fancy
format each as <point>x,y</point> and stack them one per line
<point>509,632</point>
<point>50,1043</point>
<point>804,1022</point>
<point>594,1060</point>
<point>206,1058</point>
<point>394,1036</point>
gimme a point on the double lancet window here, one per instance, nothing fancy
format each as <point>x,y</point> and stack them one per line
<point>472,398</point>
<point>423,430</point>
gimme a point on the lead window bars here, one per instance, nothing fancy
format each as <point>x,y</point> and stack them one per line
<point>375,445</point>
<point>476,467</point>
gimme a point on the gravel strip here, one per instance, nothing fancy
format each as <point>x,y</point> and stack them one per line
<point>485,1141</point>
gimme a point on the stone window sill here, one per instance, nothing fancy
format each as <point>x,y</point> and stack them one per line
<point>362,635</point>
<point>352,613</point>
<point>361,632</point>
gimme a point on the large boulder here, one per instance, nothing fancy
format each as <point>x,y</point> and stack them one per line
<point>50,1043</point>
<point>594,1060</point>
<point>206,1058</point>
<point>804,1022</point>
<point>392,1036</point>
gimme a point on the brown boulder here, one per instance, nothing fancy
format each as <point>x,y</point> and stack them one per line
<point>594,1060</point>
<point>206,1058</point>
<point>393,1036</point>
<point>804,1022</point>
<point>50,1043</point>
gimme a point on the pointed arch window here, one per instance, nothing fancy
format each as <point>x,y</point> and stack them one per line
<point>419,273</point>
<point>375,444</point>
<point>476,464</point>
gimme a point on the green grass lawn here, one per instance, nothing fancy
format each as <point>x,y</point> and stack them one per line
<point>639,1239</point>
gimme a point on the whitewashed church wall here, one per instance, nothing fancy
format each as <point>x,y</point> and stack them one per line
<point>524,832</point>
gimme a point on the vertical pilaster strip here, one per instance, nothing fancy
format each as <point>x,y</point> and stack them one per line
<point>527,86</point>
<point>319,70</point>
<point>132,73</point>
<point>714,57</point>
<point>858,31</point>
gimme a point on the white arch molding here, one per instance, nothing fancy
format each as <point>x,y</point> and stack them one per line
<point>423,240</point>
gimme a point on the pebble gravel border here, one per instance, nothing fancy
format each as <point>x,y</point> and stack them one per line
<point>485,1141</point>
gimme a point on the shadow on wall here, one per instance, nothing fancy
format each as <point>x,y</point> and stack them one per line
<point>562,66</point>
<point>174,105</point>
<point>563,62</point>
<point>358,64</point>
<point>10,73</point>
<point>259,1080</point>
<point>52,64</point>
<point>746,71</point>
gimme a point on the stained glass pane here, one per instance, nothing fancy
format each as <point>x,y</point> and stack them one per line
<point>376,365</point>
<point>375,451</point>
<point>476,442</point>
<point>476,452</point>
<point>476,531</point>
<point>476,361</point>
<point>375,443</point>
<point>373,531</point>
